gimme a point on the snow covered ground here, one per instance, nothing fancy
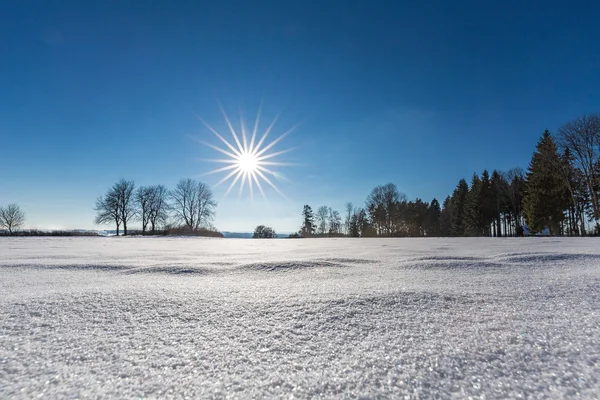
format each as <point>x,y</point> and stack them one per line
<point>334,318</point>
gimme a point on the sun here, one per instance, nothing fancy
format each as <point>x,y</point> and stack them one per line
<point>249,160</point>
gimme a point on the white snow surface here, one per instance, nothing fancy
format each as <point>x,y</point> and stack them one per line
<point>311,318</point>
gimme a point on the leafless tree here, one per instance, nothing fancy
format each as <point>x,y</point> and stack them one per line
<point>582,138</point>
<point>335,222</point>
<point>349,213</point>
<point>107,210</point>
<point>127,211</point>
<point>143,200</point>
<point>11,217</point>
<point>117,205</point>
<point>322,215</point>
<point>381,205</point>
<point>159,206</point>
<point>193,203</point>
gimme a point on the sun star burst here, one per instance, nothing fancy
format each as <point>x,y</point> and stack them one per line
<point>248,160</point>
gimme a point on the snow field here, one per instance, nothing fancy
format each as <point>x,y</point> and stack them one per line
<point>332,318</point>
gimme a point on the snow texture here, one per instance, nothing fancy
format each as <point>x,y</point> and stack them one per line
<point>334,318</point>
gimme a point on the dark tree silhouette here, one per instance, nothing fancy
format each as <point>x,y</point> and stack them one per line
<point>546,194</point>
<point>264,232</point>
<point>124,192</point>
<point>322,216</point>
<point>193,204</point>
<point>143,200</point>
<point>107,210</point>
<point>582,138</point>
<point>159,206</point>
<point>11,218</point>
<point>308,224</point>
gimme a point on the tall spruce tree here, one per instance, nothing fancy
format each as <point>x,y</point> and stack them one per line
<point>458,200</point>
<point>473,209</point>
<point>432,227</point>
<point>499,203</point>
<point>487,203</point>
<point>545,195</point>
<point>446,217</point>
<point>308,225</point>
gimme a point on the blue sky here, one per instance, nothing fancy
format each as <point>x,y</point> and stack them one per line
<point>418,93</point>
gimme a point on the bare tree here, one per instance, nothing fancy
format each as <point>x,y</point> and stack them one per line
<point>143,200</point>
<point>11,217</point>
<point>322,215</point>
<point>335,222</point>
<point>107,210</point>
<point>193,203</point>
<point>159,206</point>
<point>381,205</point>
<point>582,138</point>
<point>124,190</point>
<point>117,205</point>
<point>349,213</point>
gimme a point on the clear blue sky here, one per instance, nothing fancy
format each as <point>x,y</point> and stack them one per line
<point>418,93</point>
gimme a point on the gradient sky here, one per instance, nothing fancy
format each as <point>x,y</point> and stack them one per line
<point>416,93</point>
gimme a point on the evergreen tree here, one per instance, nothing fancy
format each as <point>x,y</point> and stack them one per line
<point>545,196</point>
<point>308,226</point>
<point>459,197</point>
<point>473,218</point>
<point>446,217</point>
<point>515,194</point>
<point>487,203</point>
<point>499,203</point>
<point>434,213</point>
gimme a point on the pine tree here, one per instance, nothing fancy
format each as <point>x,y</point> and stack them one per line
<point>545,196</point>
<point>446,217</point>
<point>308,226</point>
<point>473,217</point>
<point>433,218</point>
<point>499,203</point>
<point>487,203</point>
<point>458,200</point>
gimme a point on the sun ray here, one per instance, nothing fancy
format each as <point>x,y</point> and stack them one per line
<point>271,183</point>
<point>214,171</point>
<point>273,173</point>
<point>274,142</point>
<point>249,163</point>
<point>219,160</point>
<point>259,186</point>
<point>243,127</point>
<point>282,164</point>
<point>221,150</point>
<point>261,158</point>
<point>255,128</point>
<point>235,136</point>
<point>221,138</point>
<point>237,178</point>
<point>237,170</point>
<point>264,136</point>
<point>244,175</point>
<point>250,175</point>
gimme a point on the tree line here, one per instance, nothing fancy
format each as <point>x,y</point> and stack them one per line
<point>190,206</point>
<point>559,192</point>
